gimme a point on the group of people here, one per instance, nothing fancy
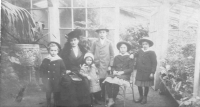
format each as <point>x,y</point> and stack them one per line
<point>78,78</point>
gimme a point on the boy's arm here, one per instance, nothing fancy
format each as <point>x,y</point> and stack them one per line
<point>111,54</point>
<point>62,68</point>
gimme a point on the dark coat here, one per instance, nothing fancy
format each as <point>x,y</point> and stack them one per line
<point>51,73</point>
<point>68,93</point>
<point>146,64</point>
<point>123,63</point>
<point>81,88</point>
<point>103,56</point>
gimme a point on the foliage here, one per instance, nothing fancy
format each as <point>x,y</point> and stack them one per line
<point>18,27</point>
<point>133,35</point>
<point>180,76</point>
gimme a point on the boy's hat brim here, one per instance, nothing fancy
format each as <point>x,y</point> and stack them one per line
<point>146,39</point>
<point>101,30</point>
<point>58,45</point>
<point>102,27</point>
<point>124,42</point>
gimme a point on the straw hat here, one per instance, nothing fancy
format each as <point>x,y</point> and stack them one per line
<point>124,42</point>
<point>146,39</point>
<point>102,27</point>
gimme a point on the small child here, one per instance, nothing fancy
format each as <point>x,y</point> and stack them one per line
<point>51,71</point>
<point>90,71</point>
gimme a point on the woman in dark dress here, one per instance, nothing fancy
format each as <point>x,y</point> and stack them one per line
<point>146,64</point>
<point>73,56</point>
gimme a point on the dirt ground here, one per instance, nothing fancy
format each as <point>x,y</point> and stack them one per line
<point>36,98</point>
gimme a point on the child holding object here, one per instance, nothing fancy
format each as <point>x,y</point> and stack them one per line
<point>90,71</point>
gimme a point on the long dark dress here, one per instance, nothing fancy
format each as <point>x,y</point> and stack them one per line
<point>72,63</point>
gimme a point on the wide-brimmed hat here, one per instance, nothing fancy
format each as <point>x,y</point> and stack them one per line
<point>124,42</point>
<point>102,27</point>
<point>75,34</point>
<point>58,45</point>
<point>89,55</point>
<point>146,39</point>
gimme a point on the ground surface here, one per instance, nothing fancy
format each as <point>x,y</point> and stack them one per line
<point>34,98</point>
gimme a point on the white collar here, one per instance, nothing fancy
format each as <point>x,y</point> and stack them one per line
<point>124,54</point>
<point>102,41</point>
<point>146,50</point>
<point>53,58</point>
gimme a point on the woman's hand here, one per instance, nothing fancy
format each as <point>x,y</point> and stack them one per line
<point>131,56</point>
<point>151,76</point>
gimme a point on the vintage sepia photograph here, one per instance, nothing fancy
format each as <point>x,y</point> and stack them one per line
<point>100,53</point>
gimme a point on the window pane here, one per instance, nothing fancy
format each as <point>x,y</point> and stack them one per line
<point>62,36</point>
<point>93,18</point>
<point>41,15</point>
<point>64,3</point>
<point>109,2</point>
<point>79,18</point>
<point>93,3</point>
<point>108,17</point>
<point>65,18</point>
<point>40,3</point>
<point>79,3</point>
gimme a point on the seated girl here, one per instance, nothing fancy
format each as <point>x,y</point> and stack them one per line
<point>122,69</point>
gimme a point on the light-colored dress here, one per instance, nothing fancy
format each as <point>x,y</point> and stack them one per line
<point>121,63</point>
<point>92,74</point>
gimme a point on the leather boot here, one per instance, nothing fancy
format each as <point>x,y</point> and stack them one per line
<point>144,100</point>
<point>139,100</point>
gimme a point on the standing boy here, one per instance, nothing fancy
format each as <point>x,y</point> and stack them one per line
<point>103,56</point>
<point>51,71</point>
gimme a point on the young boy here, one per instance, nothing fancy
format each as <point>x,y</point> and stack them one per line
<point>103,53</point>
<point>51,71</point>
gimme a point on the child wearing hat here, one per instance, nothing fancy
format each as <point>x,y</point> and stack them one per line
<point>103,52</point>
<point>90,71</point>
<point>122,69</point>
<point>51,71</point>
<point>146,64</point>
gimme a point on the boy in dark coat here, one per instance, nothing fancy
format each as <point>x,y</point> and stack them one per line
<point>51,71</point>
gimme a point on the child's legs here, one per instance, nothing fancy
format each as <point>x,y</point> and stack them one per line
<point>48,97</point>
<point>146,91</point>
<point>102,85</point>
<point>115,90</point>
<point>56,97</point>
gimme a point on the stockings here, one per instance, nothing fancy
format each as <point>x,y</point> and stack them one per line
<point>112,90</point>
<point>146,91</point>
